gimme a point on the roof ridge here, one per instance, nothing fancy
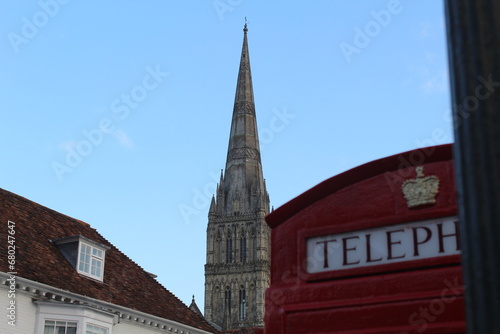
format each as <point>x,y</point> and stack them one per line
<point>45,207</point>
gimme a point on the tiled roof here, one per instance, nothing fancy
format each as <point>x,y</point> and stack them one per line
<point>38,259</point>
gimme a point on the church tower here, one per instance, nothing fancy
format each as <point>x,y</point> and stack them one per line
<point>237,271</point>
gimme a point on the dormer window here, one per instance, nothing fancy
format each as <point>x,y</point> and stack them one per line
<point>84,254</point>
<point>91,261</point>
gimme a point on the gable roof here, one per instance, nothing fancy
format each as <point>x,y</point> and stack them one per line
<point>193,307</point>
<point>39,259</point>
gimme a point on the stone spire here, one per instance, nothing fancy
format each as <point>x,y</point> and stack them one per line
<point>237,271</point>
<point>243,189</point>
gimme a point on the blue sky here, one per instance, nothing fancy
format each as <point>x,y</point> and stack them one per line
<point>117,113</point>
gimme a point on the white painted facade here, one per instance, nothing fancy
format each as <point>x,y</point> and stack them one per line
<point>26,306</point>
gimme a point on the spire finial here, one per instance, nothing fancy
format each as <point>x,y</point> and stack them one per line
<point>245,29</point>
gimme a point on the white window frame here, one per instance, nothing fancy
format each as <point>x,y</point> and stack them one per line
<point>59,320</point>
<point>93,258</point>
<point>95,325</point>
<point>80,314</point>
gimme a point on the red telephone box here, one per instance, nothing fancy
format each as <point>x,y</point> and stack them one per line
<point>375,249</point>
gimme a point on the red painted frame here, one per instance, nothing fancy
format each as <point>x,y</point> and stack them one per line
<point>379,296</point>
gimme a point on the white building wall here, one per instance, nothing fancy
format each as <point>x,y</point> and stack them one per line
<point>131,328</point>
<point>124,328</point>
<point>25,312</point>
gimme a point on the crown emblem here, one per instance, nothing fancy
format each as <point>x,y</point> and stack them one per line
<point>422,190</point>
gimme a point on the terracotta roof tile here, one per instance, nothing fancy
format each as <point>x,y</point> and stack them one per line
<point>125,283</point>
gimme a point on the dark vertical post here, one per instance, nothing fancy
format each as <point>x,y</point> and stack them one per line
<point>474,56</point>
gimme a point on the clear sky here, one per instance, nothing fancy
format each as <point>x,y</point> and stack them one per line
<point>117,112</point>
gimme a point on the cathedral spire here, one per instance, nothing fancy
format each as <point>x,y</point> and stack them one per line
<point>238,239</point>
<point>244,89</point>
<point>243,185</point>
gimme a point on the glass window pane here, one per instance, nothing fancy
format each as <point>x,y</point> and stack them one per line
<point>59,327</point>
<point>91,261</point>
<point>49,327</point>
<point>96,267</point>
<point>97,252</point>
<point>93,329</point>
<point>84,259</point>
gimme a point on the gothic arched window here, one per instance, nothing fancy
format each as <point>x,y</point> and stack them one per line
<point>243,249</point>
<point>217,248</point>
<point>229,250</point>
<point>243,304</point>
<point>228,302</point>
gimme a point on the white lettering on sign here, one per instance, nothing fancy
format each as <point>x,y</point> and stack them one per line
<point>382,245</point>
